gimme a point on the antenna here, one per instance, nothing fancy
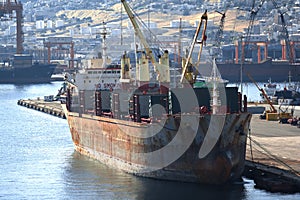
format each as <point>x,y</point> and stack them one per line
<point>104,33</point>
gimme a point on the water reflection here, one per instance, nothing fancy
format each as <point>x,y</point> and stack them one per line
<point>89,179</point>
<point>155,189</point>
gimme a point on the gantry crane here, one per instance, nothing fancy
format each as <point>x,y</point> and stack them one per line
<point>162,71</point>
<point>8,7</point>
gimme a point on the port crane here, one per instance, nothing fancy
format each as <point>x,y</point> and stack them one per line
<point>285,32</point>
<point>219,34</point>
<point>6,8</point>
<point>163,72</point>
<point>287,41</point>
<point>253,14</point>
<point>282,114</point>
<point>273,109</point>
<point>187,72</point>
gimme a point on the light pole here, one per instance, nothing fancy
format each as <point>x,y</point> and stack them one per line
<point>242,62</point>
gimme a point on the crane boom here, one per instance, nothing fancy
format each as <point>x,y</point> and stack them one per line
<point>253,14</point>
<point>162,70</point>
<point>273,109</point>
<point>138,31</point>
<point>285,32</point>
<point>203,21</point>
<point>219,34</point>
<point>283,22</point>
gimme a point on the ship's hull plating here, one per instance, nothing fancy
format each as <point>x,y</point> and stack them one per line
<point>122,144</point>
<point>278,72</point>
<point>37,73</point>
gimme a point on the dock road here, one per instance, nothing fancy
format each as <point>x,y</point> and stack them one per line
<point>274,143</point>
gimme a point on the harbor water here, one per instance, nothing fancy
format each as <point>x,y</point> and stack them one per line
<point>38,161</point>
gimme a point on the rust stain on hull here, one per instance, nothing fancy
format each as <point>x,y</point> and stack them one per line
<point>107,140</point>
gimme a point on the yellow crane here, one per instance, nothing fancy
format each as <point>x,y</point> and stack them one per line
<point>272,114</point>
<point>161,69</point>
<point>187,73</point>
<point>273,109</point>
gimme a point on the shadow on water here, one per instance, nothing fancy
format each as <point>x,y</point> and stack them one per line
<point>88,178</point>
<point>154,189</point>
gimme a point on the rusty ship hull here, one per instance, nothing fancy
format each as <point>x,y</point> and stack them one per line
<point>107,140</point>
<point>146,126</point>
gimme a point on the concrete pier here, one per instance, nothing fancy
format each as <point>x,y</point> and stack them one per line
<point>281,140</point>
<point>273,156</point>
<point>50,107</point>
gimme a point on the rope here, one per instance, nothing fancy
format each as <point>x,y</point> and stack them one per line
<point>270,155</point>
<point>152,39</point>
<point>251,151</point>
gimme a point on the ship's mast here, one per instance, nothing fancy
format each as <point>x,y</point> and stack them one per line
<point>215,93</point>
<point>104,33</point>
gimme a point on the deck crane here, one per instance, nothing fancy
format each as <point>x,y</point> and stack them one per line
<point>161,68</point>
<point>186,72</point>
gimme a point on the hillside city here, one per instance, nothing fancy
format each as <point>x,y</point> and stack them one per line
<point>82,22</point>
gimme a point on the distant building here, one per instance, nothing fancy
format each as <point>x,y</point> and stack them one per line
<point>59,23</point>
<point>115,32</point>
<point>27,28</point>
<point>72,32</point>
<point>129,25</point>
<point>210,23</point>
<point>12,30</point>
<point>256,29</point>
<point>40,24</point>
<point>152,24</point>
<point>176,23</point>
<point>49,24</point>
<point>85,31</point>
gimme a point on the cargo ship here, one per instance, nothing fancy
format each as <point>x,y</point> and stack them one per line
<point>278,71</point>
<point>21,70</point>
<point>260,58</point>
<point>154,131</point>
<point>143,126</point>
